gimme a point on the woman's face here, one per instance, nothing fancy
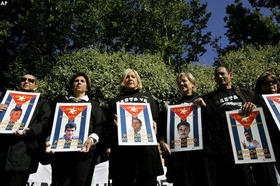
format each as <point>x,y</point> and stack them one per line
<point>130,81</point>
<point>80,85</point>
<point>185,86</point>
<point>269,86</point>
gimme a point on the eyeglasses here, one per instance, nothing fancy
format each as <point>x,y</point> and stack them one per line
<point>28,79</point>
<point>267,83</point>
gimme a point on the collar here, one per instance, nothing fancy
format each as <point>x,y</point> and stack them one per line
<point>84,98</point>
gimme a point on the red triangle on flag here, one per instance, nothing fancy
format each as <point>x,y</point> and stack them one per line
<point>72,111</point>
<point>20,99</point>
<point>246,121</point>
<point>134,110</point>
<point>183,112</point>
<point>274,98</point>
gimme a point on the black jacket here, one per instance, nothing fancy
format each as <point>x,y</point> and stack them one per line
<point>22,153</point>
<point>133,161</point>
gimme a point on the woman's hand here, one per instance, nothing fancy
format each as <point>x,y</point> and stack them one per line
<point>87,145</point>
<point>155,126</point>
<point>47,146</point>
<point>200,102</point>
<point>165,148</point>
<point>116,120</point>
<point>21,133</point>
<point>3,107</point>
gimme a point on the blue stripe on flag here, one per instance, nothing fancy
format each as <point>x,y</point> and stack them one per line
<point>57,129</point>
<point>236,139</point>
<point>148,127</point>
<point>172,142</point>
<point>263,137</point>
<point>195,127</point>
<point>8,101</point>
<point>82,128</point>
<point>274,108</point>
<point>27,113</point>
<point>123,125</point>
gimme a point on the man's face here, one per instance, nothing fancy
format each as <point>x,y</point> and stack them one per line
<point>223,78</point>
<point>248,136</point>
<point>15,115</point>
<point>69,132</point>
<point>136,125</point>
<point>184,131</point>
<point>28,83</point>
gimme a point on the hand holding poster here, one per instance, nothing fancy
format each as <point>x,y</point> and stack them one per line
<point>184,132</point>
<point>273,103</point>
<point>249,137</point>
<point>135,124</point>
<point>21,106</point>
<point>70,126</point>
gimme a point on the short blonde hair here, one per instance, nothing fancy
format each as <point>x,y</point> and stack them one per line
<point>124,75</point>
<point>190,78</point>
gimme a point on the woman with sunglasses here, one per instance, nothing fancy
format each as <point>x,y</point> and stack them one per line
<point>133,165</point>
<point>76,168</point>
<point>268,83</point>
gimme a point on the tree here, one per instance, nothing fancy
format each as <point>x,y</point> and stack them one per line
<point>35,32</point>
<point>105,71</point>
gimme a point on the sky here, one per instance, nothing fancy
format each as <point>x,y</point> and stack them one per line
<point>216,25</point>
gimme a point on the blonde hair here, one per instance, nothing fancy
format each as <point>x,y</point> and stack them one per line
<point>124,75</point>
<point>190,78</point>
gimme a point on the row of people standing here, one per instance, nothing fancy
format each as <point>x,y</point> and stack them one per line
<point>215,163</point>
<point>139,165</point>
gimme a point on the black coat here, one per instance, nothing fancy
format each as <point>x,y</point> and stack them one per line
<point>133,161</point>
<point>22,153</point>
<point>76,168</point>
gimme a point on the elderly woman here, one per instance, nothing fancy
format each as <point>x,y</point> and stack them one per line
<point>133,165</point>
<point>184,166</point>
<point>268,83</point>
<point>76,168</point>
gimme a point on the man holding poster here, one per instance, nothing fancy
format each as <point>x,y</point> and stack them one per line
<point>20,151</point>
<point>226,98</point>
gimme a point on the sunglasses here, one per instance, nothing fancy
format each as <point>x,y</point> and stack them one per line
<point>28,79</point>
<point>267,83</point>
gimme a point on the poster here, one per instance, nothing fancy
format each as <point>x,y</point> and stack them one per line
<point>184,132</point>
<point>273,103</point>
<point>21,106</point>
<point>249,137</point>
<point>135,124</point>
<point>70,126</point>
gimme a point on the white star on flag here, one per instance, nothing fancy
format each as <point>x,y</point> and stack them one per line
<point>133,109</point>
<point>21,98</point>
<point>183,111</point>
<point>72,111</point>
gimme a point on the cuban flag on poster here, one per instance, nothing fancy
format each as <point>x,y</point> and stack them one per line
<point>273,103</point>
<point>249,137</point>
<point>184,132</point>
<point>70,126</point>
<point>135,124</point>
<point>21,106</point>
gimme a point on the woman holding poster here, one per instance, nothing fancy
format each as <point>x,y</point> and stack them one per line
<point>268,83</point>
<point>76,168</point>
<point>186,168</point>
<point>132,165</point>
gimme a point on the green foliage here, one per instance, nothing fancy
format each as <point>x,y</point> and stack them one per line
<point>247,64</point>
<point>105,71</point>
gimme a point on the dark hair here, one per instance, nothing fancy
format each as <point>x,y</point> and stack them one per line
<point>187,124</point>
<point>261,80</point>
<point>71,82</point>
<point>70,125</point>
<point>137,119</point>
<point>16,109</point>
<point>223,66</point>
